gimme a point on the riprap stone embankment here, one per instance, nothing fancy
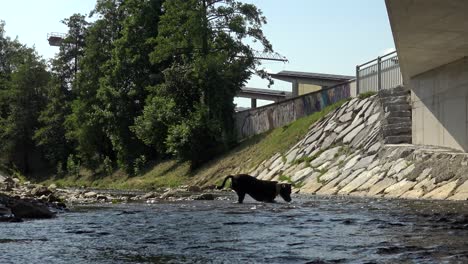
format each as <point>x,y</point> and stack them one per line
<point>363,149</point>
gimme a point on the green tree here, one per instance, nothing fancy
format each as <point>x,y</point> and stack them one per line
<point>111,84</point>
<point>66,63</point>
<point>85,123</point>
<point>205,41</point>
<point>51,135</point>
<point>23,84</point>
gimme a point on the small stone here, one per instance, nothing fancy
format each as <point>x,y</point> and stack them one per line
<point>40,190</point>
<point>101,197</point>
<point>89,195</point>
<point>205,196</point>
<point>52,187</point>
<point>194,188</point>
<point>149,195</point>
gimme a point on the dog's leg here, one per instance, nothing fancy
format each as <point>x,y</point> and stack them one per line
<point>241,196</point>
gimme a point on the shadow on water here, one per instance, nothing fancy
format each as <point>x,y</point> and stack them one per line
<point>311,229</point>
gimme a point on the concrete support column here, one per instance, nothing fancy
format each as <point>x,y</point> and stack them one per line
<point>253,103</point>
<point>295,88</point>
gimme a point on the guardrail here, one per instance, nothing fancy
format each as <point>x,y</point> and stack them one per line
<point>377,74</point>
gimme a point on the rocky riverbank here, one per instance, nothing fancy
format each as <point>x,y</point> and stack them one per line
<point>33,201</point>
<point>363,149</point>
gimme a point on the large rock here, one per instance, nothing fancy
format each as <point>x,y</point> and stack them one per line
<point>331,187</point>
<point>443,191</point>
<point>40,190</point>
<point>398,166</point>
<point>350,178</point>
<point>350,136</point>
<point>364,162</point>
<point>356,182</point>
<point>461,193</point>
<point>325,156</point>
<point>312,186</point>
<point>374,177</point>
<point>350,164</point>
<point>314,137</point>
<point>30,209</point>
<point>346,117</point>
<point>300,175</point>
<point>399,188</point>
<point>406,172</point>
<point>381,186</point>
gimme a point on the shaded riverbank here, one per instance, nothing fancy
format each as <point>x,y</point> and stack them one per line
<point>311,229</point>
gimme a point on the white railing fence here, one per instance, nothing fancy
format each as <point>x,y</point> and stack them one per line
<point>377,74</point>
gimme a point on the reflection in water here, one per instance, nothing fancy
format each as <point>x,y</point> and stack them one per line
<point>309,230</point>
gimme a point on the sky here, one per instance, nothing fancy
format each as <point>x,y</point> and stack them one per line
<point>323,36</point>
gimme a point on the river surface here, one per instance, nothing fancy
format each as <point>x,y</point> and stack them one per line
<point>311,229</point>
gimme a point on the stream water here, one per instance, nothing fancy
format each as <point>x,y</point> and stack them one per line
<point>311,229</point>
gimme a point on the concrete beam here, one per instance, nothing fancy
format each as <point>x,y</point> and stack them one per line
<point>428,33</point>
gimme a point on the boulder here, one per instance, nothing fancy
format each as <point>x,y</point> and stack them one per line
<point>5,211</point>
<point>30,209</point>
<point>40,190</point>
<point>8,184</point>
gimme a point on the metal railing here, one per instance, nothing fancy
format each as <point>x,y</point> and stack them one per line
<point>381,73</point>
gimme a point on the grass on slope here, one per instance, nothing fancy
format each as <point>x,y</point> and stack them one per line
<point>171,173</point>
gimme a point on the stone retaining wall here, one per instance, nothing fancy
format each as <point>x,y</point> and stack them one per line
<point>258,120</point>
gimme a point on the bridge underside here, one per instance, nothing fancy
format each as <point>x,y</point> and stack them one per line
<point>263,94</point>
<point>431,38</point>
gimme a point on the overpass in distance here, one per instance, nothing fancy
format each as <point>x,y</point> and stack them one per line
<point>263,94</point>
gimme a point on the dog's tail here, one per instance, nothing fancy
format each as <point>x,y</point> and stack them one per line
<point>224,182</point>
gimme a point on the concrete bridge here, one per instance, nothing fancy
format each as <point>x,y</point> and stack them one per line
<point>263,94</point>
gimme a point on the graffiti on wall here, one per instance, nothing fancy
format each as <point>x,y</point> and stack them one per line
<point>258,120</point>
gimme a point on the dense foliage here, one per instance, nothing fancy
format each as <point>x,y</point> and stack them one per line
<point>145,80</point>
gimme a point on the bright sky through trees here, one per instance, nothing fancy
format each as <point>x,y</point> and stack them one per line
<point>325,36</point>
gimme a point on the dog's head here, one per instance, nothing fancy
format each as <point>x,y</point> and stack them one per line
<point>285,191</point>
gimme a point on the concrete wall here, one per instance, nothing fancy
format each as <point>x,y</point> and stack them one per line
<point>305,88</point>
<point>440,106</point>
<point>255,121</point>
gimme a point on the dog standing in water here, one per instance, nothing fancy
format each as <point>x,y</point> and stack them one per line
<point>263,191</point>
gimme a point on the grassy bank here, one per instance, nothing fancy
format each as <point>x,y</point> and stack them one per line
<point>171,173</point>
